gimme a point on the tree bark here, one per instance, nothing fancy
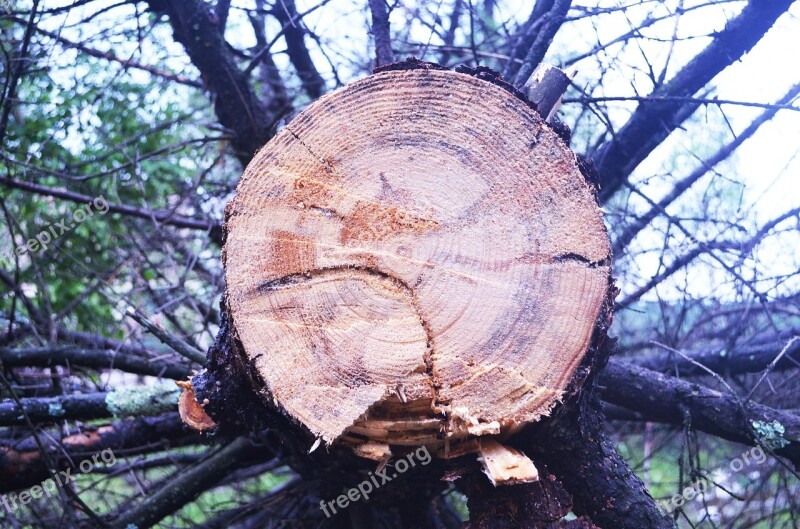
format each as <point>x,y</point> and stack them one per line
<point>196,26</point>
<point>668,399</point>
<point>22,464</point>
<point>380,32</point>
<point>603,486</point>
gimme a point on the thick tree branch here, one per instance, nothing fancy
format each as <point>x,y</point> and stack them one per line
<point>663,398</point>
<point>380,32</point>
<point>274,89</point>
<point>73,356</point>
<point>533,38</point>
<point>578,451</point>
<point>142,401</point>
<point>538,33</point>
<point>652,122</point>
<point>294,33</point>
<point>744,358</point>
<point>195,25</point>
<point>222,9</point>
<point>23,465</point>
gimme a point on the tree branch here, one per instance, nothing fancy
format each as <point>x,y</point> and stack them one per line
<point>187,484</point>
<point>531,41</point>
<point>108,56</point>
<point>664,399</point>
<point>294,34</point>
<point>653,121</point>
<point>137,401</point>
<point>715,101</point>
<point>176,344</point>
<point>73,356</point>
<point>18,68</point>
<point>195,25</point>
<point>685,183</point>
<point>381,33</point>
<point>23,465</point>
<point>580,453</point>
<point>745,358</point>
<point>161,217</point>
<point>537,36</point>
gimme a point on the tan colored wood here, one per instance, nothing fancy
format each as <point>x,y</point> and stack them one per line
<point>415,258</point>
<point>505,465</point>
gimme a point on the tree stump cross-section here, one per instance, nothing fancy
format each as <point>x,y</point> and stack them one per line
<point>415,259</point>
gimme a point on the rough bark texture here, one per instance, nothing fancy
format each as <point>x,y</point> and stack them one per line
<point>380,32</point>
<point>545,88</point>
<point>539,504</point>
<point>669,400</point>
<point>603,486</point>
<point>147,401</point>
<point>536,36</point>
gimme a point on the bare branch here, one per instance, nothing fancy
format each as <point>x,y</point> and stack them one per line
<point>160,217</point>
<point>546,20</point>
<point>22,464</point>
<point>685,183</point>
<point>380,32</point>
<point>125,63</point>
<point>187,484</point>
<point>653,121</point>
<point>196,27</point>
<point>295,33</point>
<point>72,356</point>
<point>143,402</point>
<point>663,399</point>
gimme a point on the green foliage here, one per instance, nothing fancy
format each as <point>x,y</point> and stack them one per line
<point>99,132</point>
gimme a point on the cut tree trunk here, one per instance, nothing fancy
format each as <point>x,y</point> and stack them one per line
<point>415,260</point>
<point>421,246</point>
